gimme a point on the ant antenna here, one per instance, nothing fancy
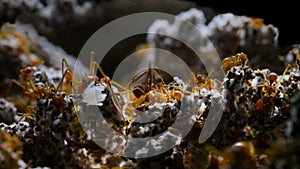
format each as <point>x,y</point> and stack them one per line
<point>92,66</point>
<point>282,76</point>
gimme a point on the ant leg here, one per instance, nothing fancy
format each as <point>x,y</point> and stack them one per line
<point>119,85</point>
<point>285,94</point>
<point>220,83</point>
<point>194,80</point>
<point>63,64</point>
<point>157,74</point>
<point>282,76</point>
<point>136,78</point>
<point>68,68</point>
<point>67,73</point>
<point>184,91</point>
<point>149,76</point>
<point>29,112</point>
<point>32,85</point>
<point>209,74</point>
<point>111,81</point>
<point>13,81</point>
<point>111,92</point>
<point>257,86</point>
<point>99,69</point>
<point>92,65</point>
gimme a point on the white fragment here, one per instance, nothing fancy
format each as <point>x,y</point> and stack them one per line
<point>93,95</point>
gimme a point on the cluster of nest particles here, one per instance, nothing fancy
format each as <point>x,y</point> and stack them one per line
<point>39,110</point>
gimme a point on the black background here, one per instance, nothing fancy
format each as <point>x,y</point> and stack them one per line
<point>282,14</point>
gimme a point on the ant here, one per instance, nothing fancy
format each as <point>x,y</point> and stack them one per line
<point>69,82</point>
<point>36,90</point>
<point>152,81</point>
<point>270,89</point>
<point>239,59</point>
<point>201,82</point>
<point>34,84</point>
<point>32,89</point>
<point>154,86</point>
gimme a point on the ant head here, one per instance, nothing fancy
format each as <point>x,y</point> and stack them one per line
<point>272,77</point>
<point>150,77</point>
<point>28,69</point>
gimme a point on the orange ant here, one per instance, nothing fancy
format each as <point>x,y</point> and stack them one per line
<point>264,104</point>
<point>70,82</point>
<point>31,90</point>
<point>35,90</point>
<point>65,85</point>
<point>154,86</point>
<point>201,82</point>
<point>239,59</point>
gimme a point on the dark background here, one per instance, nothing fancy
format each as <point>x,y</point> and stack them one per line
<point>282,14</point>
<point>71,33</point>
